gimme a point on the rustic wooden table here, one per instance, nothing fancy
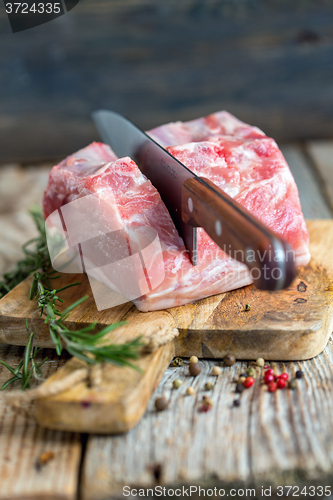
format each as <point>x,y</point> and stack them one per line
<point>285,438</point>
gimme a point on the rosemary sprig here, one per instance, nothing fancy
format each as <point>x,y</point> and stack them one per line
<point>90,347</point>
<point>83,344</point>
<point>35,257</point>
<point>27,367</point>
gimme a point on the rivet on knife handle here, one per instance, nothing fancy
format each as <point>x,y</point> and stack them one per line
<point>239,234</point>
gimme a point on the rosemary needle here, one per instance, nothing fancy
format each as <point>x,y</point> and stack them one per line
<point>83,344</point>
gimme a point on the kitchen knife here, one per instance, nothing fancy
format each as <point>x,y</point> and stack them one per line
<point>194,202</point>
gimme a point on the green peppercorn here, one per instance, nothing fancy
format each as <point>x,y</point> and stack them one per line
<point>161,403</point>
<point>229,360</point>
<point>251,372</point>
<point>194,369</point>
<point>177,362</point>
<point>208,386</point>
<point>292,384</point>
<point>177,383</point>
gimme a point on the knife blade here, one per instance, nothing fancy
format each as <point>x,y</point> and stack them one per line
<point>194,202</point>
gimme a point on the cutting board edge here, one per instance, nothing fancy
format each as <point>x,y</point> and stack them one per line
<point>101,417</point>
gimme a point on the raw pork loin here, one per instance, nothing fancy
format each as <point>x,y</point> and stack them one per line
<point>237,157</point>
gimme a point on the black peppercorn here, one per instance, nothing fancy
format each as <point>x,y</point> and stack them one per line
<point>299,374</point>
<point>194,369</point>
<point>161,403</point>
<point>237,402</point>
<point>239,388</point>
<point>229,359</point>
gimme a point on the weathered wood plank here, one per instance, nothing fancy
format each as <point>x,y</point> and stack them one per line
<point>269,438</point>
<point>321,153</point>
<point>289,324</point>
<point>19,189</point>
<point>22,442</point>
<point>267,62</point>
<point>313,203</point>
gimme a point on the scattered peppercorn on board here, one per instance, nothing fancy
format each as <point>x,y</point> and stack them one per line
<point>293,324</point>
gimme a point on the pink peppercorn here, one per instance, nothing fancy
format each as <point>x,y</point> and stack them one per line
<point>269,372</point>
<point>285,376</point>
<point>281,383</point>
<point>269,378</point>
<point>248,382</point>
<point>272,386</point>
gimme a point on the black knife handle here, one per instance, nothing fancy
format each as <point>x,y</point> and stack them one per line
<point>242,236</point>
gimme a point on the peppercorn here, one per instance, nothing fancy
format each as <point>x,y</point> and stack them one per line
<point>229,359</point>
<point>299,374</point>
<point>292,384</point>
<point>194,369</point>
<point>239,388</point>
<point>207,400</point>
<point>237,402</point>
<point>243,375</point>
<point>177,383</point>
<point>208,386</point>
<point>260,362</point>
<point>251,372</point>
<point>241,379</point>
<point>272,386</point>
<point>44,458</point>
<point>281,383</point>
<point>269,378</point>
<point>284,375</point>
<point>248,382</point>
<point>270,371</point>
<point>217,370</point>
<point>193,359</point>
<point>190,391</point>
<point>161,403</point>
<point>177,362</point>
<point>207,404</point>
<point>266,367</point>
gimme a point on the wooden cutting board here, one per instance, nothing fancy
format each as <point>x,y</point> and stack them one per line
<point>293,324</point>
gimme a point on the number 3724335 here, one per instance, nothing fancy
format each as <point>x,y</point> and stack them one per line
<point>35,8</point>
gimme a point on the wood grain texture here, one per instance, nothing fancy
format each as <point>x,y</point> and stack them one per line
<point>280,438</point>
<point>291,324</point>
<point>268,62</point>
<point>19,189</point>
<point>321,153</point>
<point>314,205</point>
<point>113,406</point>
<point>22,441</point>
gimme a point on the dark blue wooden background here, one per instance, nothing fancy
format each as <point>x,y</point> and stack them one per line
<point>268,62</point>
